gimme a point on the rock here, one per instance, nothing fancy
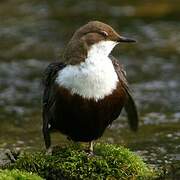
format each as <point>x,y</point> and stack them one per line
<point>72,162</point>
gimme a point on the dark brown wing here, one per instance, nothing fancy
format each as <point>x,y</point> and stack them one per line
<point>130,106</point>
<point>48,100</point>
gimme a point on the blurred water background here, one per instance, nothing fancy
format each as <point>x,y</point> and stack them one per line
<point>34,33</point>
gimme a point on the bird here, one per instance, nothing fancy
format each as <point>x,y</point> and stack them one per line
<point>86,91</point>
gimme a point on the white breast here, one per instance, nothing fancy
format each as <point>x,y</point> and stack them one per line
<point>95,78</point>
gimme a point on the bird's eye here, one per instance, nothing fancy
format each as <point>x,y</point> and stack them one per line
<point>104,33</point>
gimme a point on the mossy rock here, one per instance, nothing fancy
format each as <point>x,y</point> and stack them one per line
<point>17,175</point>
<point>72,162</point>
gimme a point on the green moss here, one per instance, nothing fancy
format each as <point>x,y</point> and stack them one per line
<point>17,175</point>
<point>109,162</point>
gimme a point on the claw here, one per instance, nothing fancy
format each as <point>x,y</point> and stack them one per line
<point>49,151</point>
<point>10,155</point>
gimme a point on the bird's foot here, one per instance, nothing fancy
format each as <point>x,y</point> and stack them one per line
<point>13,156</point>
<point>90,153</point>
<point>49,151</point>
<point>69,138</point>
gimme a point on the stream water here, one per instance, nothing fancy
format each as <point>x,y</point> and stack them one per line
<point>34,33</point>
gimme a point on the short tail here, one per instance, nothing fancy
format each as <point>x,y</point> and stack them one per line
<point>130,108</point>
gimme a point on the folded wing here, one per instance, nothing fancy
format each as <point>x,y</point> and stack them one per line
<point>48,100</point>
<point>130,106</point>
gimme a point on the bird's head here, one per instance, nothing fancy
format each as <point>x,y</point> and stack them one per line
<point>93,37</point>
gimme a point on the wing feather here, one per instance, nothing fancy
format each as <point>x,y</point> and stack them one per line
<point>130,106</point>
<point>48,99</point>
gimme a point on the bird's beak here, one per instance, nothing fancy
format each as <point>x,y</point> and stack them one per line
<point>125,39</point>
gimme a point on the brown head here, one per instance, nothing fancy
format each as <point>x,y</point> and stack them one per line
<point>88,35</point>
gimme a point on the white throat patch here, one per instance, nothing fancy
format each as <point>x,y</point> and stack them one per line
<point>95,78</point>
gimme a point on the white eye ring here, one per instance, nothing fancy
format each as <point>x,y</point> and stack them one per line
<point>104,33</point>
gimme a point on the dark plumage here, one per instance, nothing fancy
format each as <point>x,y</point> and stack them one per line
<point>79,118</point>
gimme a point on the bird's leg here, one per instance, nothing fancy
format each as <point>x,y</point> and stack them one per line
<point>47,139</point>
<point>69,138</point>
<point>90,148</point>
<point>48,144</point>
<point>49,151</point>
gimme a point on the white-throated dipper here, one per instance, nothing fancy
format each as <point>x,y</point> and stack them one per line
<point>86,93</point>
